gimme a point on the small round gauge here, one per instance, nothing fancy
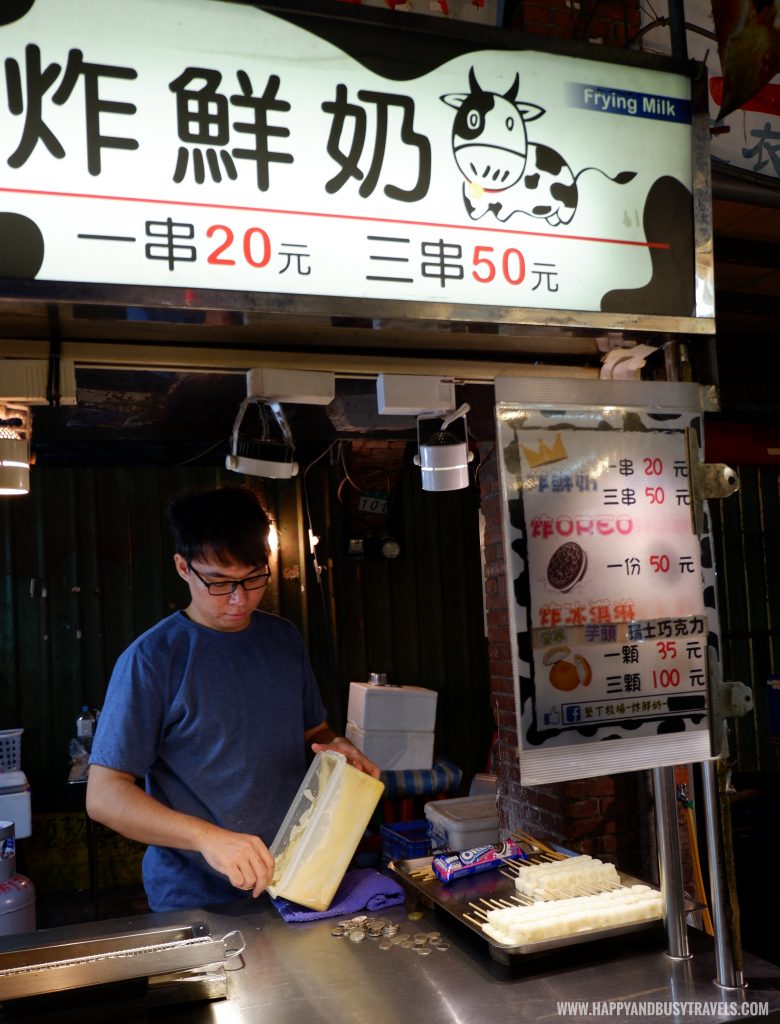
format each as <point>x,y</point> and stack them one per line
<point>391,548</point>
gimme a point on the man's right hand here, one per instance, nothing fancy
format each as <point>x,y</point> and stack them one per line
<point>114,799</point>
<point>244,859</point>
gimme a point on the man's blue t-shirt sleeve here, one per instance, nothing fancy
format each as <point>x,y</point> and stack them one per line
<point>131,724</point>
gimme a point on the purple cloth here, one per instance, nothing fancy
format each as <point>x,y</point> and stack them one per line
<point>361,889</point>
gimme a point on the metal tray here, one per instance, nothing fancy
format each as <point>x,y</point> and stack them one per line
<point>40,970</point>
<point>456,898</point>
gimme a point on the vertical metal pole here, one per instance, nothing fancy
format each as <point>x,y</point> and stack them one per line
<point>670,863</point>
<point>727,952</point>
<point>677,29</point>
<point>682,983</point>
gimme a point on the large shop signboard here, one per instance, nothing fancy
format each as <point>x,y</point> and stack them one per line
<point>611,598</point>
<point>201,144</point>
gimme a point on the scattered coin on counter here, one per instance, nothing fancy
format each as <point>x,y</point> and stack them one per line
<point>359,928</point>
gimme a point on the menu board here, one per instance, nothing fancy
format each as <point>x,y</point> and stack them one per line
<point>608,596</point>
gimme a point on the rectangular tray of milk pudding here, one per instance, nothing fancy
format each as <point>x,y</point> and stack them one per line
<point>462,898</point>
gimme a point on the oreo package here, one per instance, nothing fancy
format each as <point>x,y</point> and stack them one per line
<point>449,866</point>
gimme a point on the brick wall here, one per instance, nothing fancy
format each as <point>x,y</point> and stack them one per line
<point>599,816</point>
<point>593,21</point>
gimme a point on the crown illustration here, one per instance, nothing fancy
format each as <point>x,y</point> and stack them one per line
<point>544,453</point>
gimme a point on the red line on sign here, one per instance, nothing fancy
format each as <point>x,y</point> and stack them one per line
<point>336,216</point>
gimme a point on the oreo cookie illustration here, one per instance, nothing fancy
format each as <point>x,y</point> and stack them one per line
<point>566,567</point>
<point>13,10</point>
<point>21,251</point>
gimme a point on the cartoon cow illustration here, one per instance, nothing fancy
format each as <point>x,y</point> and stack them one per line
<point>505,173</point>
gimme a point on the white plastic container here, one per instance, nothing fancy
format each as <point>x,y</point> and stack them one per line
<point>10,750</point>
<point>15,802</point>
<point>392,708</point>
<point>321,830</point>
<point>463,822</point>
<point>393,750</point>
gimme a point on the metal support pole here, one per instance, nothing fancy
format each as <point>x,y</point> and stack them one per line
<point>670,863</point>
<point>677,29</point>
<point>728,953</point>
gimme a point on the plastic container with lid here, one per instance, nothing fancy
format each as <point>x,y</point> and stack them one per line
<point>463,822</point>
<point>321,830</point>
<point>15,803</point>
<point>372,706</point>
<point>393,750</point>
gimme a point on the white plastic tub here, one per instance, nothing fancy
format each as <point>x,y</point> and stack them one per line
<point>392,708</point>
<point>321,830</point>
<point>463,822</point>
<point>393,750</point>
<point>15,802</point>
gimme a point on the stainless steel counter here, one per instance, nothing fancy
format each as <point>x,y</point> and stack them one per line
<point>299,972</point>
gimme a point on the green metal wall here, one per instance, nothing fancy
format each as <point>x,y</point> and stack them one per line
<point>85,566</point>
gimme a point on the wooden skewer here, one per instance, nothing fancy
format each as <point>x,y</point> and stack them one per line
<point>524,836</point>
<point>565,892</point>
<point>423,873</point>
<point>478,923</point>
<point>513,866</point>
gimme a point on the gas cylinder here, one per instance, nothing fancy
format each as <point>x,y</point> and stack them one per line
<point>17,893</point>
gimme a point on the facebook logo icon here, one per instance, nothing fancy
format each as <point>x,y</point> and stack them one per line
<point>572,713</point>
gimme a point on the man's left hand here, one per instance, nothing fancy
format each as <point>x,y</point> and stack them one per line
<point>354,756</point>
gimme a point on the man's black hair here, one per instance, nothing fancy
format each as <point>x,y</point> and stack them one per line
<point>226,524</point>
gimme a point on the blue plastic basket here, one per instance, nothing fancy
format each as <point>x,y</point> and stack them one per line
<point>405,840</point>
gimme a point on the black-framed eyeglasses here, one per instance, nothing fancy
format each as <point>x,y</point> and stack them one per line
<point>221,587</point>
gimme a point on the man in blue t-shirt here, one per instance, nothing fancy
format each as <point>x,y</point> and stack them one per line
<point>213,707</point>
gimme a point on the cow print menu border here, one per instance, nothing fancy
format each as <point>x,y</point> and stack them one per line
<point>631,420</point>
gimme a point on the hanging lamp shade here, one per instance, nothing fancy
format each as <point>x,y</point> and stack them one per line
<point>265,448</point>
<point>14,465</point>
<point>444,457</point>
